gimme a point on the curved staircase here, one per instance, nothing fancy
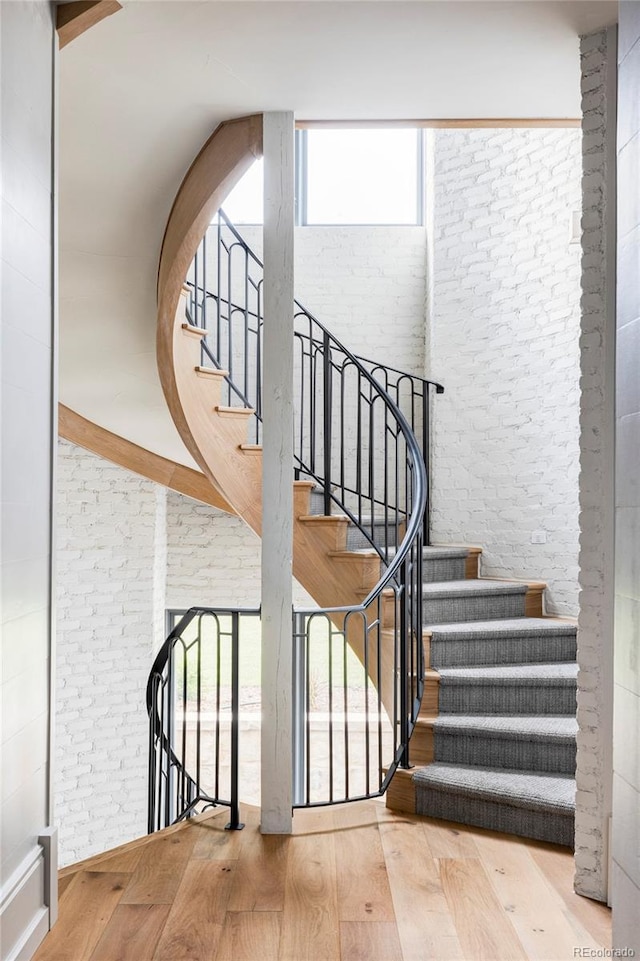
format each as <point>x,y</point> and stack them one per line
<point>494,733</point>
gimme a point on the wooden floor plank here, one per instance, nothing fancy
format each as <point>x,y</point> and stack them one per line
<point>132,933</point>
<point>585,915</point>
<point>126,862</point>
<point>529,899</point>
<point>361,871</point>
<point>310,917</point>
<point>158,875</point>
<point>369,941</point>
<point>85,911</point>
<point>425,924</point>
<point>259,882</point>
<point>249,936</point>
<point>353,882</point>
<point>484,930</point>
<point>214,842</point>
<point>197,916</point>
<point>449,840</point>
<point>63,884</point>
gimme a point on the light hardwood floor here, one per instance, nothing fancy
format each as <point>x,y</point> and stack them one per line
<point>354,883</point>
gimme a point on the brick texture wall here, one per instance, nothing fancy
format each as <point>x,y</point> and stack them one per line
<point>366,284</point>
<point>504,342</point>
<point>127,549</point>
<point>106,568</point>
<point>213,558</point>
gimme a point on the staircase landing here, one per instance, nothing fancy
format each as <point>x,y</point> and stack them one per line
<point>353,882</point>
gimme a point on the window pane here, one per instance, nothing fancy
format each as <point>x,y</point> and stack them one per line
<point>244,205</point>
<point>362,176</point>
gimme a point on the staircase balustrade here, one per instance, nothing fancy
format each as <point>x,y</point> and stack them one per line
<point>362,438</point>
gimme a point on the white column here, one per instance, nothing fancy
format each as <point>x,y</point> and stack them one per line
<point>277,474</point>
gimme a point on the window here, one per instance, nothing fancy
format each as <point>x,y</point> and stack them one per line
<point>346,176</point>
<point>363,176</point>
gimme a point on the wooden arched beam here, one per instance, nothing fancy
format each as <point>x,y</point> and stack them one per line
<point>78,430</point>
<point>72,19</point>
<point>223,160</point>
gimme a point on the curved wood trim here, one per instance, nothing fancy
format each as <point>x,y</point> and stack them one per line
<point>72,19</point>
<point>222,161</point>
<point>77,429</point>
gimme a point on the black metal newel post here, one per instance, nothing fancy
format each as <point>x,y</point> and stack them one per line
<point>327,401</point>
<point>426,536</point>
<point>404,668</point>
<point>234,808</point>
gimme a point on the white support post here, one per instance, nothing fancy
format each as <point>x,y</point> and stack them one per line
<point>277,475</point>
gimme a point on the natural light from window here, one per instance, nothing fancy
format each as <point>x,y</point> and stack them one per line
<point>362,176</point>
<point>244,203</point>
<point>345,176</point>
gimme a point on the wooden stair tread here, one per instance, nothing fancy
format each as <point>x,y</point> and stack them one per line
<point>322,519</point>
<point>190,329</point>
<point>230,411</point>
<point>211,372</point>
<point>355,555</point>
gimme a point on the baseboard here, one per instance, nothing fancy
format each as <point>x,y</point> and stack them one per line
<point>24,917</point>
<point>28,901</point>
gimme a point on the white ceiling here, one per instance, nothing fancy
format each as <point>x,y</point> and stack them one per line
<point>142,91</point>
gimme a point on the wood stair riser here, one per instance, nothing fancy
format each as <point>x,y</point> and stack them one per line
<point>421,745</point>
<point>362,570</point>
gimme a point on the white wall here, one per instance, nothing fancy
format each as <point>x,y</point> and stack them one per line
<point>626,758</point>
<point>213,558</point>
<point>366,284</point>
<point>106,585</point>
<point>27,427</point>
<point>504,342</point>
<point>127,549</point>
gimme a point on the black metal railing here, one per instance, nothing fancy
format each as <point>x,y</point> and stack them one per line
<point>193,701</point>
<point>362,436</point>
<point>336,389</point>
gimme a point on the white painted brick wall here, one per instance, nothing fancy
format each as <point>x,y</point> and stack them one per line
<point>504,342</point>
<point>106,570</point>
<point>366,284</point>
<point>596,492</point>
<point>127,549</point>
<point>213,558</point>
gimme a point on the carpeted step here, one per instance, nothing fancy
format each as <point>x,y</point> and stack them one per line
<point>382,532</point>
<point>530,805</point>
<point>513,689</point>
<point>511,641</point>
<point>526,742</point>
<point>472,600</point>
<point>444,564</point>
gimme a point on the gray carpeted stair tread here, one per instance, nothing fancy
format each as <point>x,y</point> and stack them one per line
<point>525,674</point>
<point>509,627</point>
<point>561,728</point>
<point>471,588</point>
<point>448,553</point>
<point>553,793</point>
